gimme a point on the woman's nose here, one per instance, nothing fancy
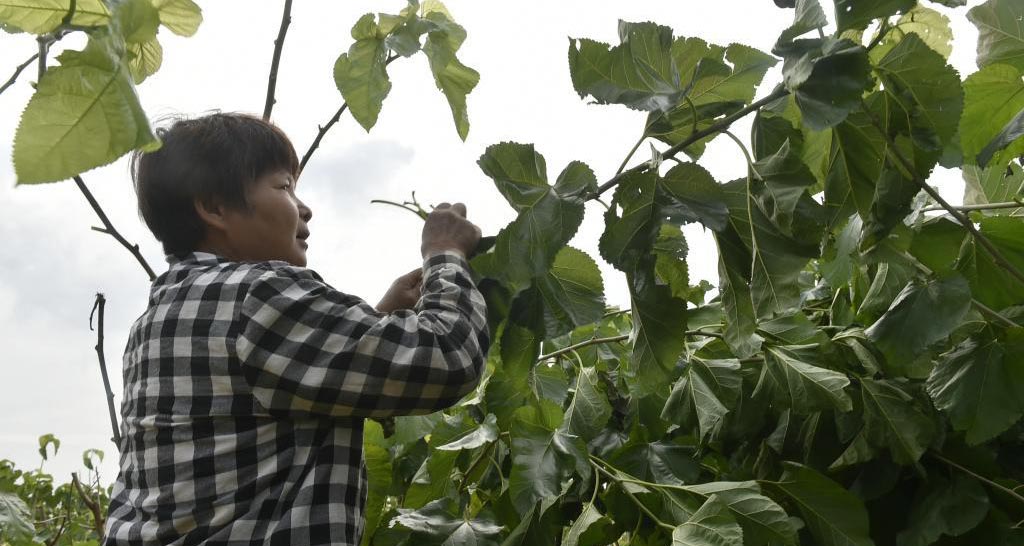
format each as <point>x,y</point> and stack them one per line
<point>304,211</point>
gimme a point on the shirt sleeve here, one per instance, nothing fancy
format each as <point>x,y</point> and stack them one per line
<point>307,348</point>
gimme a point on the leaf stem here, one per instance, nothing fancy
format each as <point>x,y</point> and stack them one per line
<point>109,229</point>
<point>986,206</point>
<point>327,127</point>
<point>694,137</point>
<point>419,213</point>
<point>18,71</point>
<point>97,309</point>
<point>632,497</point>
<point>286,19</point>
<point>746,153</point>
<point>630,154</point>
<point>977,476</point>
<point>594,341</point>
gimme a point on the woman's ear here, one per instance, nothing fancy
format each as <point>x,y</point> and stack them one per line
<point>211,214</point>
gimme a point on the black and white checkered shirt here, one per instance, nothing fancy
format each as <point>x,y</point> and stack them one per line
<point>246,385</point>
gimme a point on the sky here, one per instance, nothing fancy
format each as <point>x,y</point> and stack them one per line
<point>52,264</point>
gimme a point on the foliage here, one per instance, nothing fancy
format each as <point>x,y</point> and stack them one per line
<point>857,379</point>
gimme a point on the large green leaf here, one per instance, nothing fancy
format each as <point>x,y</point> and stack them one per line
<point>827,77</point>
<point>802,386</point>
<point>1000,33</point>
<point>181,17</point>
<point>638,73</point>
<point>780,180</point>
<point>573,292</point>
<point>927,24</point>
<point>921,315</point>
<point>990,283</point>
<point>945,507</point>
<point>15,518</point>
<point>808,16</point>
<point>548,216</point>
<point>688,193</point>
<point>734,261</point>
<point>1011,133</point>
<point>713,523</point>
<point>378,475</point>
<point>591,528</point>
<point>629,236</point>
<point>658,462</point>
<point>84,114</point>
<point>453,78</point>
<point>764,522</point>
<point>659,324</point>
<point>993,96</point>
<point>857,14</point>
<point>361,74</point>
<point>482,435</point>
<point>994,185</point>
<point>138,21</point>
<point>42,16</point>
<point>543,455</point>
<point>704,394</point>
<point>980,385</point>
<point>892,420</point>
<point>589,410</point>
<point>834,516</point>
<point>856,161</point>
<point>144,59</point>
<point>441,520</point>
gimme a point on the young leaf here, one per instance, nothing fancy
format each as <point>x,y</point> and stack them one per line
<point>980,385</point>
<point>43,16</point>
<point>834,516</point>
<point>84,114</point>
<point>453,78</point>
<point>891,420</point>
<point>181,17</point>
<point>927,24</point>
<point>1000,34</point>
<point>711,524</point>
<point>638,73</point>
<point>361,75</point>
<point>144,59</point>
<point>921,315</point>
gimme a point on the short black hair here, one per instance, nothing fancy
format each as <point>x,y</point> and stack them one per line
<point>213,159</point>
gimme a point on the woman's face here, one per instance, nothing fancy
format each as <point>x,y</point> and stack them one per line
<point>275,226</point>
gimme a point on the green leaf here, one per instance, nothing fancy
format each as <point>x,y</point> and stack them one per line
<point>144,59</point>
<point>921,315</point>
<point>138,20</point>
<point>548,216</point>
<point>688,193</point>
<point>781,181</point>
<point>45,441</point>
<point>484,434</point>
<point>891,420</point>
<point>945,507</point>
<point>827,77</point>
<point>543,455</point>
<point>804,387</point>
<point>1000,33</point>
<point>591,528</point>
<point>43,16</point>
<point>764,522</point>
<point>856,162</point>
<point>453,78</point>
<point>703,395</point>
<point>994,185</point>
<point>926,89</point>
<point>834,516</point>
<point>639,73</point>
<point>980,385</point>
<point>857,14</point>
<point>440,520</point>
<point>927,24</point>
<point>589,410</point>
<point>659,321</point>
<point>629,237</point>
<point>734,261</point>
<point>658,462</point>
<point>711,524</point>
<point>1011,132</point>
<point>807,16</point>
<point>89,455</point>
<point>361,74</point>
<point>993,97</point>
<point>573,292</point>
<point>84,114</point>
<point>181,17</point>
<point>378,474</point>
<point>990,283</point>
<point>670,261</point>
<point>15,518</point>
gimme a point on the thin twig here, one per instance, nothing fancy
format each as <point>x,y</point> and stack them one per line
<point>110,230</point>
<point>330,123</point>
<point>97,309</point>
<point>632,497</point>
<point>964,221</point>
<point>595,341</point>
<point>44,47</point>
<point>17,72</point>
<point>694,137</point>
<point>977,476</point>
<point>419,213</point>
<point>630,154</point>
<point>286,20</point>
<point>986,206</point>
<point>94,507</point>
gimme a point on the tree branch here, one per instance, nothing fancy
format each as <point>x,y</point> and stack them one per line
<point>964,221</point>
<point>595,341</point>
<point>286,20</point>
<point>330,123</point>
<point>94,507</point>
<point>986,206</point>
<point>17,72</point>
<point>694,137</point>
<point>977,476</point>
<point>97,309</point>
<point>110,230</point>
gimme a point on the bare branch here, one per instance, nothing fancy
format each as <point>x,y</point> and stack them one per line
<point>985,206</point>
<point>17,72</point>
<point>286,20</point>
<point>97,309</point>
<point>330,123</point>
<point>694,137</point>
<point>110,230</point>
<point>595,341</point>
<point>97,511</point>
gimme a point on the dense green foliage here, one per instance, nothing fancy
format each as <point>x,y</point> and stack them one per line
<point>857,379</point>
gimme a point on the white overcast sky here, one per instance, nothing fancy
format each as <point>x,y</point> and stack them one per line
<point>52,264</point>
